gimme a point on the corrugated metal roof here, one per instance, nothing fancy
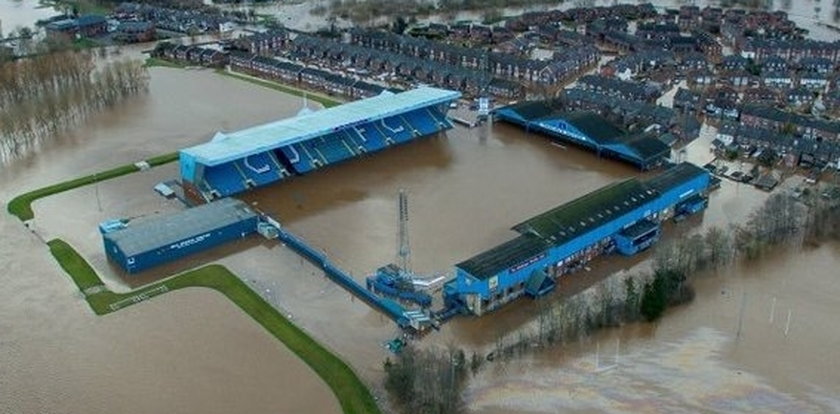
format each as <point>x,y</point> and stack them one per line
<point>288,131</point>
<point>149,233</point>
<point>674,176</point>
<point>575,218</point>
<point>503,256</point>
<point>588,212</point>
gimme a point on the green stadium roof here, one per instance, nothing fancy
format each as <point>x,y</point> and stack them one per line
<point>594,126</point>
<point>583,214</point>
<point>575,218</point>
<point>673,176</point>
<point>503,256</point>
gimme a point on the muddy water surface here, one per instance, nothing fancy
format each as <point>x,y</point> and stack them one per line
<point>15,14</point>
<point>184,352</point>
<point>466,188</point>
<point>696,359</point>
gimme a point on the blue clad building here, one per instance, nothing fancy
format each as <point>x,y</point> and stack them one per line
<point>588,130</point>
<point>139,244</point>
<point>623,217</point>
<point>235,162</point>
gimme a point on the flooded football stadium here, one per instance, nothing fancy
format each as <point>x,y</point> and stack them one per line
<point>192,350</point>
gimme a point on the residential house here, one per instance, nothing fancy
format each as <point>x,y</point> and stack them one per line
<point>738,79</point>
<point>212,57</point>
<point>814,81</point>
<point>761,95</point>
<point>700,78</point>
<point>800,97</point>
<point>263,43</point>
<point>816,64</point>
<point>89,25</point>
<point>616,87</point>
<point>758,116</point>
<point>831,101</point>
<point>777,80</point>
<point>734,63</point>
<point>135,32</point>
<point>774,64</point>
<point>688,18</point>
<point>687,101</point>
<point>708,44</point>
<point>505,88</point>
<point>693,61</point>
<point>620,41</point>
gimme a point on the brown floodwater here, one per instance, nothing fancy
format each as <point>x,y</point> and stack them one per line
<point>466,188</point>
<point>810,14</point>
<point>16,14</point>
<point>696,359</point>
<point>184,352</point>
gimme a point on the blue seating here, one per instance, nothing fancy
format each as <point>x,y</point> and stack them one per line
<point>441,122</point>
<point>422,122</point>
<point>373,139</point>
<point>260,168</point>
<point>330,148</point>
<point>298,158</point>
<point>225,179</point>
<point>397,129</point>
<point>303,157</point>
<point>339,147</point>
<point>352,139</point>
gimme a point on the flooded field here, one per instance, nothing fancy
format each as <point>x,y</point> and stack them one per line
<point>466,189</point>
<point>184,352</point>
<point>15,14</point>
<point>695,360</point>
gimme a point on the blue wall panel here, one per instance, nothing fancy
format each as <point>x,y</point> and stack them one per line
<point>181,248</point>
<point>466,284</point>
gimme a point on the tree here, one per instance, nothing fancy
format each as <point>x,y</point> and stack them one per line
<point>399,25</point>
<point>719,247</point>
<point>399,376</point>
<point>631,301</point>
<point>768,158</point>
<point>654,299</point>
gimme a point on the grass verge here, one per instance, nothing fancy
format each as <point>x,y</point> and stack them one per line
<point>352,394</point>
<point>320,98</point>
<point>21,206</point>
<point>150,62</point>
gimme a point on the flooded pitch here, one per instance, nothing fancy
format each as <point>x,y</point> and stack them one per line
<point>466,188</point>
<point>184,352</point>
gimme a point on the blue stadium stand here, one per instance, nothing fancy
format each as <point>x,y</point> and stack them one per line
<point>225,179</point>
<point>371,138</point>
<point>264,154</point>
<point>261,169</point>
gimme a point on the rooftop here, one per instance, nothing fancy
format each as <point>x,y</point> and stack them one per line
<point>575,218</point>
<point>149,233</point>
<point>261,138</point>
<point>673,176</point>
<point>579,216</point>
<point>503,256</point>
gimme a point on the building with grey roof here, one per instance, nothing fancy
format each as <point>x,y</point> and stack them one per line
<point>139,244</point>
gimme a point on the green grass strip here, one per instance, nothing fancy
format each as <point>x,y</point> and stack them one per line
<point>352,394</point>
<point>151,62</point>
<point>21,206</point>
<point>320,98</point>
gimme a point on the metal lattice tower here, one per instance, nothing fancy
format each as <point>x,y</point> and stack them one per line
<point>403,249</point>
